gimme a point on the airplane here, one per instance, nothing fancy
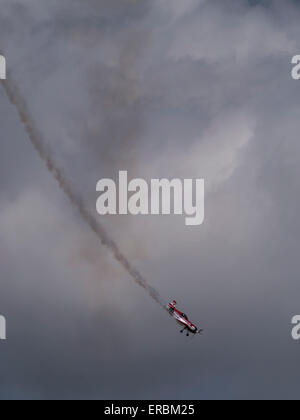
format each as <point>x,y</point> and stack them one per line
<point>182,320</point>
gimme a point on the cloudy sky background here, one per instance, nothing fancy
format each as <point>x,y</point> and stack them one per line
<point>161,88</point>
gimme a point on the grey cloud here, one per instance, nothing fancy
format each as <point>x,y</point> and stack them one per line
<point>200,89</point>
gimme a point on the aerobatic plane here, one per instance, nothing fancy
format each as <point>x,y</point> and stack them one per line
<point>182,320</point>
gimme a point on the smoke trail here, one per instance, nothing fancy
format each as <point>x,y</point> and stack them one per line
<point>36,139</point>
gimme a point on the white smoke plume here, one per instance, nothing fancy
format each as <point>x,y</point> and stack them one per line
<point>16,98</point>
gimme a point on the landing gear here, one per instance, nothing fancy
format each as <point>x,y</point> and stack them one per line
<point>187,334</point>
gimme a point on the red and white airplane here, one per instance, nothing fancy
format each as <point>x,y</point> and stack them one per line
<point>182,320</point>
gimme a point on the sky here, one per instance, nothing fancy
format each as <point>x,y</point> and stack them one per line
<point>160,88</point>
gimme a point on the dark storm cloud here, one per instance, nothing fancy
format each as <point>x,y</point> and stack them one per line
<point>162,88</point>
